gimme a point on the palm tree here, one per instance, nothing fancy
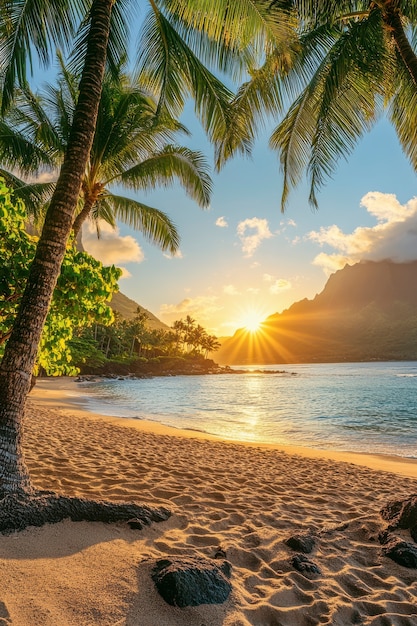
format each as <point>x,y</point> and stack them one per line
<point>352,61</point>
<point>130,148</point>
<point>172,68</point>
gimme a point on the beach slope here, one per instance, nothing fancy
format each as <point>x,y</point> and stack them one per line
<point>246,499</point>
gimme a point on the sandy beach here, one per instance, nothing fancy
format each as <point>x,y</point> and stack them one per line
<point>246,499</point>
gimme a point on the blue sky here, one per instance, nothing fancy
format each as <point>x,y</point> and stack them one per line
<point>244,258</point>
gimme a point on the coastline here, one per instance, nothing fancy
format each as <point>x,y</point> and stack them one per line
<point>62,393</point>
<point>246,499</point>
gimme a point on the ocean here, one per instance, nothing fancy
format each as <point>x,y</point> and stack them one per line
<point>358,407</point>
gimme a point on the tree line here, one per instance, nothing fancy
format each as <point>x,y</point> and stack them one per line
<point>100,347</point>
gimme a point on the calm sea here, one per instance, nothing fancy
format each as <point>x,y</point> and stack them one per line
<point>364,407</point>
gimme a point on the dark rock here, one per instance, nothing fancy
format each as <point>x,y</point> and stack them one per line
<point>401,552</point>
<point>413,533</point>
<point>192,581</point>
<point>384,537</point>
<point>301,543</point>
<point>4,614</point>
<point>304,565</point>
<point>401,513</point>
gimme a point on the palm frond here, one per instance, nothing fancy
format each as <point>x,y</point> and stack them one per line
<point>255,100</point>
<point>117,48</point>
<point>28,27</point>
<point>173,72</point>
<point>403,112</point>
<point>172,163</point>
<point>155,225</point>
<point>34,195</point>
<point>17,151</point>
<point>339,104</point>
<point>103,210</point>
<point>232,35</point>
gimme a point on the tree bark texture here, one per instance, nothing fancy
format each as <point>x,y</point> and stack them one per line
<point>392,18</point>
<point>90,198</point>
<point>21,350</point>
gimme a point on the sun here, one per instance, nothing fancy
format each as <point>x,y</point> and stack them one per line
<point>252,320</point>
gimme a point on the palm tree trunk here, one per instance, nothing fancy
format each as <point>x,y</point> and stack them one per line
<point>82,216</point>
<point>392,18</point>
<point>21,350</point>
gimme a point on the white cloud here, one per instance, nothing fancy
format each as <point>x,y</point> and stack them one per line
<point>394,236</point>
<point>178,255</point>
<point>44,177</point>
<point>201,308</point>
<point>330,263</point>
<point>280,285</point>
<point>111,248</point>
<point>288,222</point>
<point>277,284</point>
<point>259,230</point>
<point>125,273</point>
<point>221,222</point>
<point>230,290</point>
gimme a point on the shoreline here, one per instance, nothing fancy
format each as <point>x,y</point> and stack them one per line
<point>246,500</point>
<point>60,393</point>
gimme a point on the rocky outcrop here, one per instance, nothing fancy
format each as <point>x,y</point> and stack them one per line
<point>192,581</point>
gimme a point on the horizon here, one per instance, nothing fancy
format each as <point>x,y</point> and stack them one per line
<point>242,257</point>
<point>251,259</point>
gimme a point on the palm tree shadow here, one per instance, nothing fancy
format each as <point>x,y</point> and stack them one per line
<point>66,538</point>
<point>20,511</point>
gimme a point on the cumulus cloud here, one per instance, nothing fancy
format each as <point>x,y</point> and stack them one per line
<point>111,248</point>
<point>251,233</point>
<point>201,308</point>
<point>277,284</point>
<point>221,222</point>
<point>44,177</point>
<point>393,237</point>
<point>230,290</point>
<point>125,273</point>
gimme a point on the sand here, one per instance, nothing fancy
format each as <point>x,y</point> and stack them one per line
<point>247,499</point>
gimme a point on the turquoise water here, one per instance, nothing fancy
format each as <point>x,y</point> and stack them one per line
<point>363,407</point>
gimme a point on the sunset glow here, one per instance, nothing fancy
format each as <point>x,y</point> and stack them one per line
<point>252,320</point>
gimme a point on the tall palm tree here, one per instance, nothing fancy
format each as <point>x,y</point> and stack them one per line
<point>131,148</point>
<point>174,69</point>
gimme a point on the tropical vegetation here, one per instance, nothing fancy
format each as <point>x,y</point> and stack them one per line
<point>170,55</point>
<point>80,299</point>
<point>132,346</point>
<point>131,149</point>
<point>340,63</point>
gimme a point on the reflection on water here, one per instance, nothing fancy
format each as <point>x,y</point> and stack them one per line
<point>370,407</point>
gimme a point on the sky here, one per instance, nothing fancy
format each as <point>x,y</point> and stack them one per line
<point>242,259</point>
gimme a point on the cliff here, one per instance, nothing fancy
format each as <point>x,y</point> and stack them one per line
<point>365,312</point>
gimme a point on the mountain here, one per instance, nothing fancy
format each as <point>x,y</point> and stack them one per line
<point>365,312</point>
<point>128,308</point>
